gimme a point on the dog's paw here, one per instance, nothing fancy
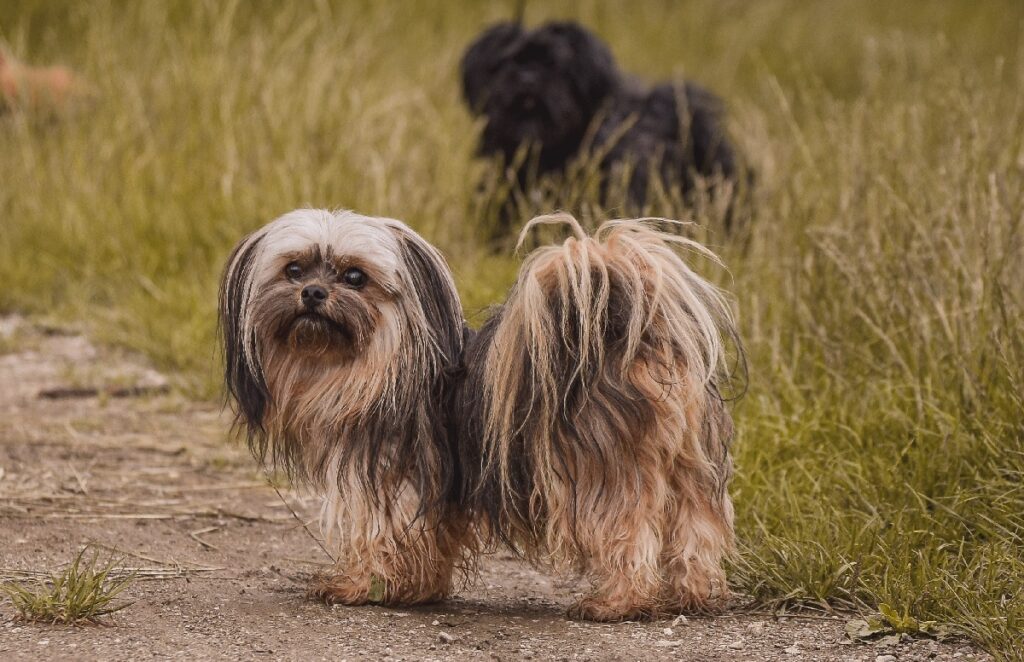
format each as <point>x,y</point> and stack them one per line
<point>697,594</point>
<point>341,590</point>
<point>691,604</point>
<point>604,611</point>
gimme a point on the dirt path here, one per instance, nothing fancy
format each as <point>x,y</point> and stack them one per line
<point>224,564</point>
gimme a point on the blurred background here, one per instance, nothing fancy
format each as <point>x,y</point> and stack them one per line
<point>880,292</point>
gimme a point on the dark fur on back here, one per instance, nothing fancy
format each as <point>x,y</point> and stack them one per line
<point>504,503</point>
<point>557,90</point>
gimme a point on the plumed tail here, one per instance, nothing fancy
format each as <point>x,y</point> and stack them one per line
<point>628,266</point>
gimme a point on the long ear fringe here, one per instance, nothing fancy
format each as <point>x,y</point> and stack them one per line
<point>245,386</point>
<point>580,317</point>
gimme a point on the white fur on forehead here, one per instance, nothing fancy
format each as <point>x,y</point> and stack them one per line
<point>339,233</point>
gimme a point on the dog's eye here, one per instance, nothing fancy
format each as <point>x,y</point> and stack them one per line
<point>354,277</point>
<point>293,270</point>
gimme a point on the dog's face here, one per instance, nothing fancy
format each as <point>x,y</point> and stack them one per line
<point>541,87</point>
<point>325,314</point>
<point>326,299</point>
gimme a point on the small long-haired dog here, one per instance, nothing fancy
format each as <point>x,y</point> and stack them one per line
<point>556,92</point>
<point>37,88</point>
<point>599,437</point>
<point>340,334</point>
<point>582,426</point>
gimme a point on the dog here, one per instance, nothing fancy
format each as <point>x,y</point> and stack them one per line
<point>581,426</point>
<point>37,88</point>
<point>552,99</point>
<point>601,438</point>
<point>340,336</point>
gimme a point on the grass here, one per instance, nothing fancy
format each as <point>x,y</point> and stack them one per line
<point>881,441</point>
<point>83,592</point>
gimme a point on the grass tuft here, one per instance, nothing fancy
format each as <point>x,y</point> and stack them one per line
<point>83,592</point>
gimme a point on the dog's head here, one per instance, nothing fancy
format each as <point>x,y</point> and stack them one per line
<point>540,87</point>
<point>331,320</point>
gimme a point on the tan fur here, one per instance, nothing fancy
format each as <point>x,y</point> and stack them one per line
<point>640,507</point>
<point>388,555</point>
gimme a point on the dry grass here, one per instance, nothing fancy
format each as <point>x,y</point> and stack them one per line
<point>879,292</point>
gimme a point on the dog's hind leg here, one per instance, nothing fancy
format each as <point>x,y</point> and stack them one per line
<point>618,542</point>
<point>698,540</point>
<point>699,523</point>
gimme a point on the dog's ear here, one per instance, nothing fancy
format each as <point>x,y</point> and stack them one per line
<point>431,283</point>
<point>481,59</point>
<point>243,376</point>
<point>590,66</point>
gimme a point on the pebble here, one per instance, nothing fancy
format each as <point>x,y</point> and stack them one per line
<point>737,645</point>
<point>793,650</point>
<point>668,632</point>
<point>446,638</point>
<point>885,658</point>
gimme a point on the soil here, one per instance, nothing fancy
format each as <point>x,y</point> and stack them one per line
<point>95,448</point>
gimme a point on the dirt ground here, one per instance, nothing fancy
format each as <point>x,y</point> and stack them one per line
<point>94,448</point>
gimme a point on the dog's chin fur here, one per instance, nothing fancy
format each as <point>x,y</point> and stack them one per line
<point>556,92</point>
<point>350,399</point>
<point>318,336</point>
<point>603,442</point>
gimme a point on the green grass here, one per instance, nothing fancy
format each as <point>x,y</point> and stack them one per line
<point>881,442</point>
<point>82,592</point>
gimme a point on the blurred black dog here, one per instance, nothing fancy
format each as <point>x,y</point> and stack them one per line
<point>557,92</point>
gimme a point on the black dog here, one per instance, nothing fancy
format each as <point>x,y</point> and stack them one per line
<point>557,91</point>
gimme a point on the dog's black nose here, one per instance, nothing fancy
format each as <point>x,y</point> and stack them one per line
<point>313,295</point>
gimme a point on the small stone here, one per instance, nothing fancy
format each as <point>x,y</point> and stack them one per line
<point>665,643</point>
<point>680,620</point>
<point>435,622</point>
<point>737,645</point>
<point>885,658</point>
<point>668,632</point>
<point>793,650</point>
<point>446,638</point>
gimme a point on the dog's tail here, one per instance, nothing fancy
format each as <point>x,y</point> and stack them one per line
<point>610,349</point>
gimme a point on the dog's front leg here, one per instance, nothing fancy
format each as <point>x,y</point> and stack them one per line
<point>387,553</point>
